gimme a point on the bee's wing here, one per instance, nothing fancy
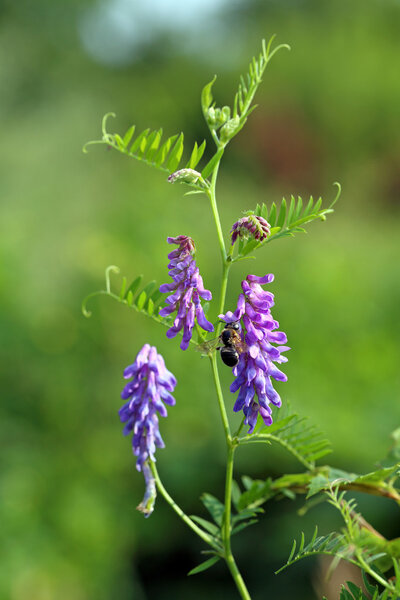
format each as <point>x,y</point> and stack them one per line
<point>209,346</point>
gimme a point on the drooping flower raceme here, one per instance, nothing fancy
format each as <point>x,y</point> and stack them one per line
<point>185,291</point>
<point>256,365</point>
<point>146,394</point>
<point>250,226</point>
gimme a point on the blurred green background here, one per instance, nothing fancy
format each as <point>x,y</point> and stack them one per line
<point>328,110</point>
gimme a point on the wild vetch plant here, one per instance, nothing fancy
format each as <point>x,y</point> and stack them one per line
<point>247,339</point>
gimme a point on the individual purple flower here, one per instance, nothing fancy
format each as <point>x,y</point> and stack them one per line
<point>185,291</point>
<point>146,394</point>
<point>256,365</point>
<point>250,226</point>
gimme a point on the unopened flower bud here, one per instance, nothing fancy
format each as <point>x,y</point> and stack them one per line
<point>216,117</point>
<point>184,176</point>
<point>226,113</point>
<point>210,117</point>
<point>250,226</point>
<point>229,129</point>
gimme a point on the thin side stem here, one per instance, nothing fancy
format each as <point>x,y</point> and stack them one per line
<point>204,536</point>
<point>220,398</point>
<point>224,284</point>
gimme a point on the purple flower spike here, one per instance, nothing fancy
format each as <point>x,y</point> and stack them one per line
<point>146,394</point>
<point>185,291</point>
<point>250,226</point>
<point>256,365</point>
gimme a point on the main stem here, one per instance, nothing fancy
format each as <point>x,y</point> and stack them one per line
<point>226,531</point>
<point>214,208</point>
<point>226,524</point>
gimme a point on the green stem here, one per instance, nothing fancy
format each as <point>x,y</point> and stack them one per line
<point>365,566</point>
<point>204,536</point>
<point>226,525</point>
<point>224,284</point>
<point>214,208</point>
<point>240,428</point>
<point>226,528</point>
<point>220,398</point>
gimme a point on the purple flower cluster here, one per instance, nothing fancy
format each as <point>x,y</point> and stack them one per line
<point>256,365</point>
<point>185,291</point>
<point>150,387</point>
<point>250,226</point>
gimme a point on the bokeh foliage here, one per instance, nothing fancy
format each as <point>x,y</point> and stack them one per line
<point>327,111</point>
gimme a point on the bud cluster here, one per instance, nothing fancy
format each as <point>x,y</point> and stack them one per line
<point>184,176</point>
<point>250,226</point>
<point>216,117</point>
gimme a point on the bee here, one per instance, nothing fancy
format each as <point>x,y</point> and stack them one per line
<point>229,343</point>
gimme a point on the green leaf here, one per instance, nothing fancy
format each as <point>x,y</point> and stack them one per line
<point>123,289</point>
<point>176,154</point>
<point>274,231</point>
<point>296,435</point>
<point>250,246</point>
<point>248,85</point>
<point>196,155</point>
<point>207,525</point>
<point>379,476</point>
<point>140,300</point>
<point>264,211</point>
<point>119,141</point>
<point>156,297</point>
<point>148,148</point>
<point>282,214</point>
<point>309,206</point>
<point>150,306</point>
<point>134,286</point>
<point>205,565</point>
<point>128,135</point>
<point>149,287</point>
<point>129,298</point>
<point>256,493</point>
<point>291,209</point>
<point>355,590</point>
<point>298,207</point>
<point>212,163</point>
<point>162,153</point>
<point>138,143</point>
<point>206,95</point>
<point>243,525</point>
<point>334,544</point>
<point>214,507</point>
<point>345,594</point>
<point>153,145</point>
<point>246,513</point>
<point>272,215</point>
